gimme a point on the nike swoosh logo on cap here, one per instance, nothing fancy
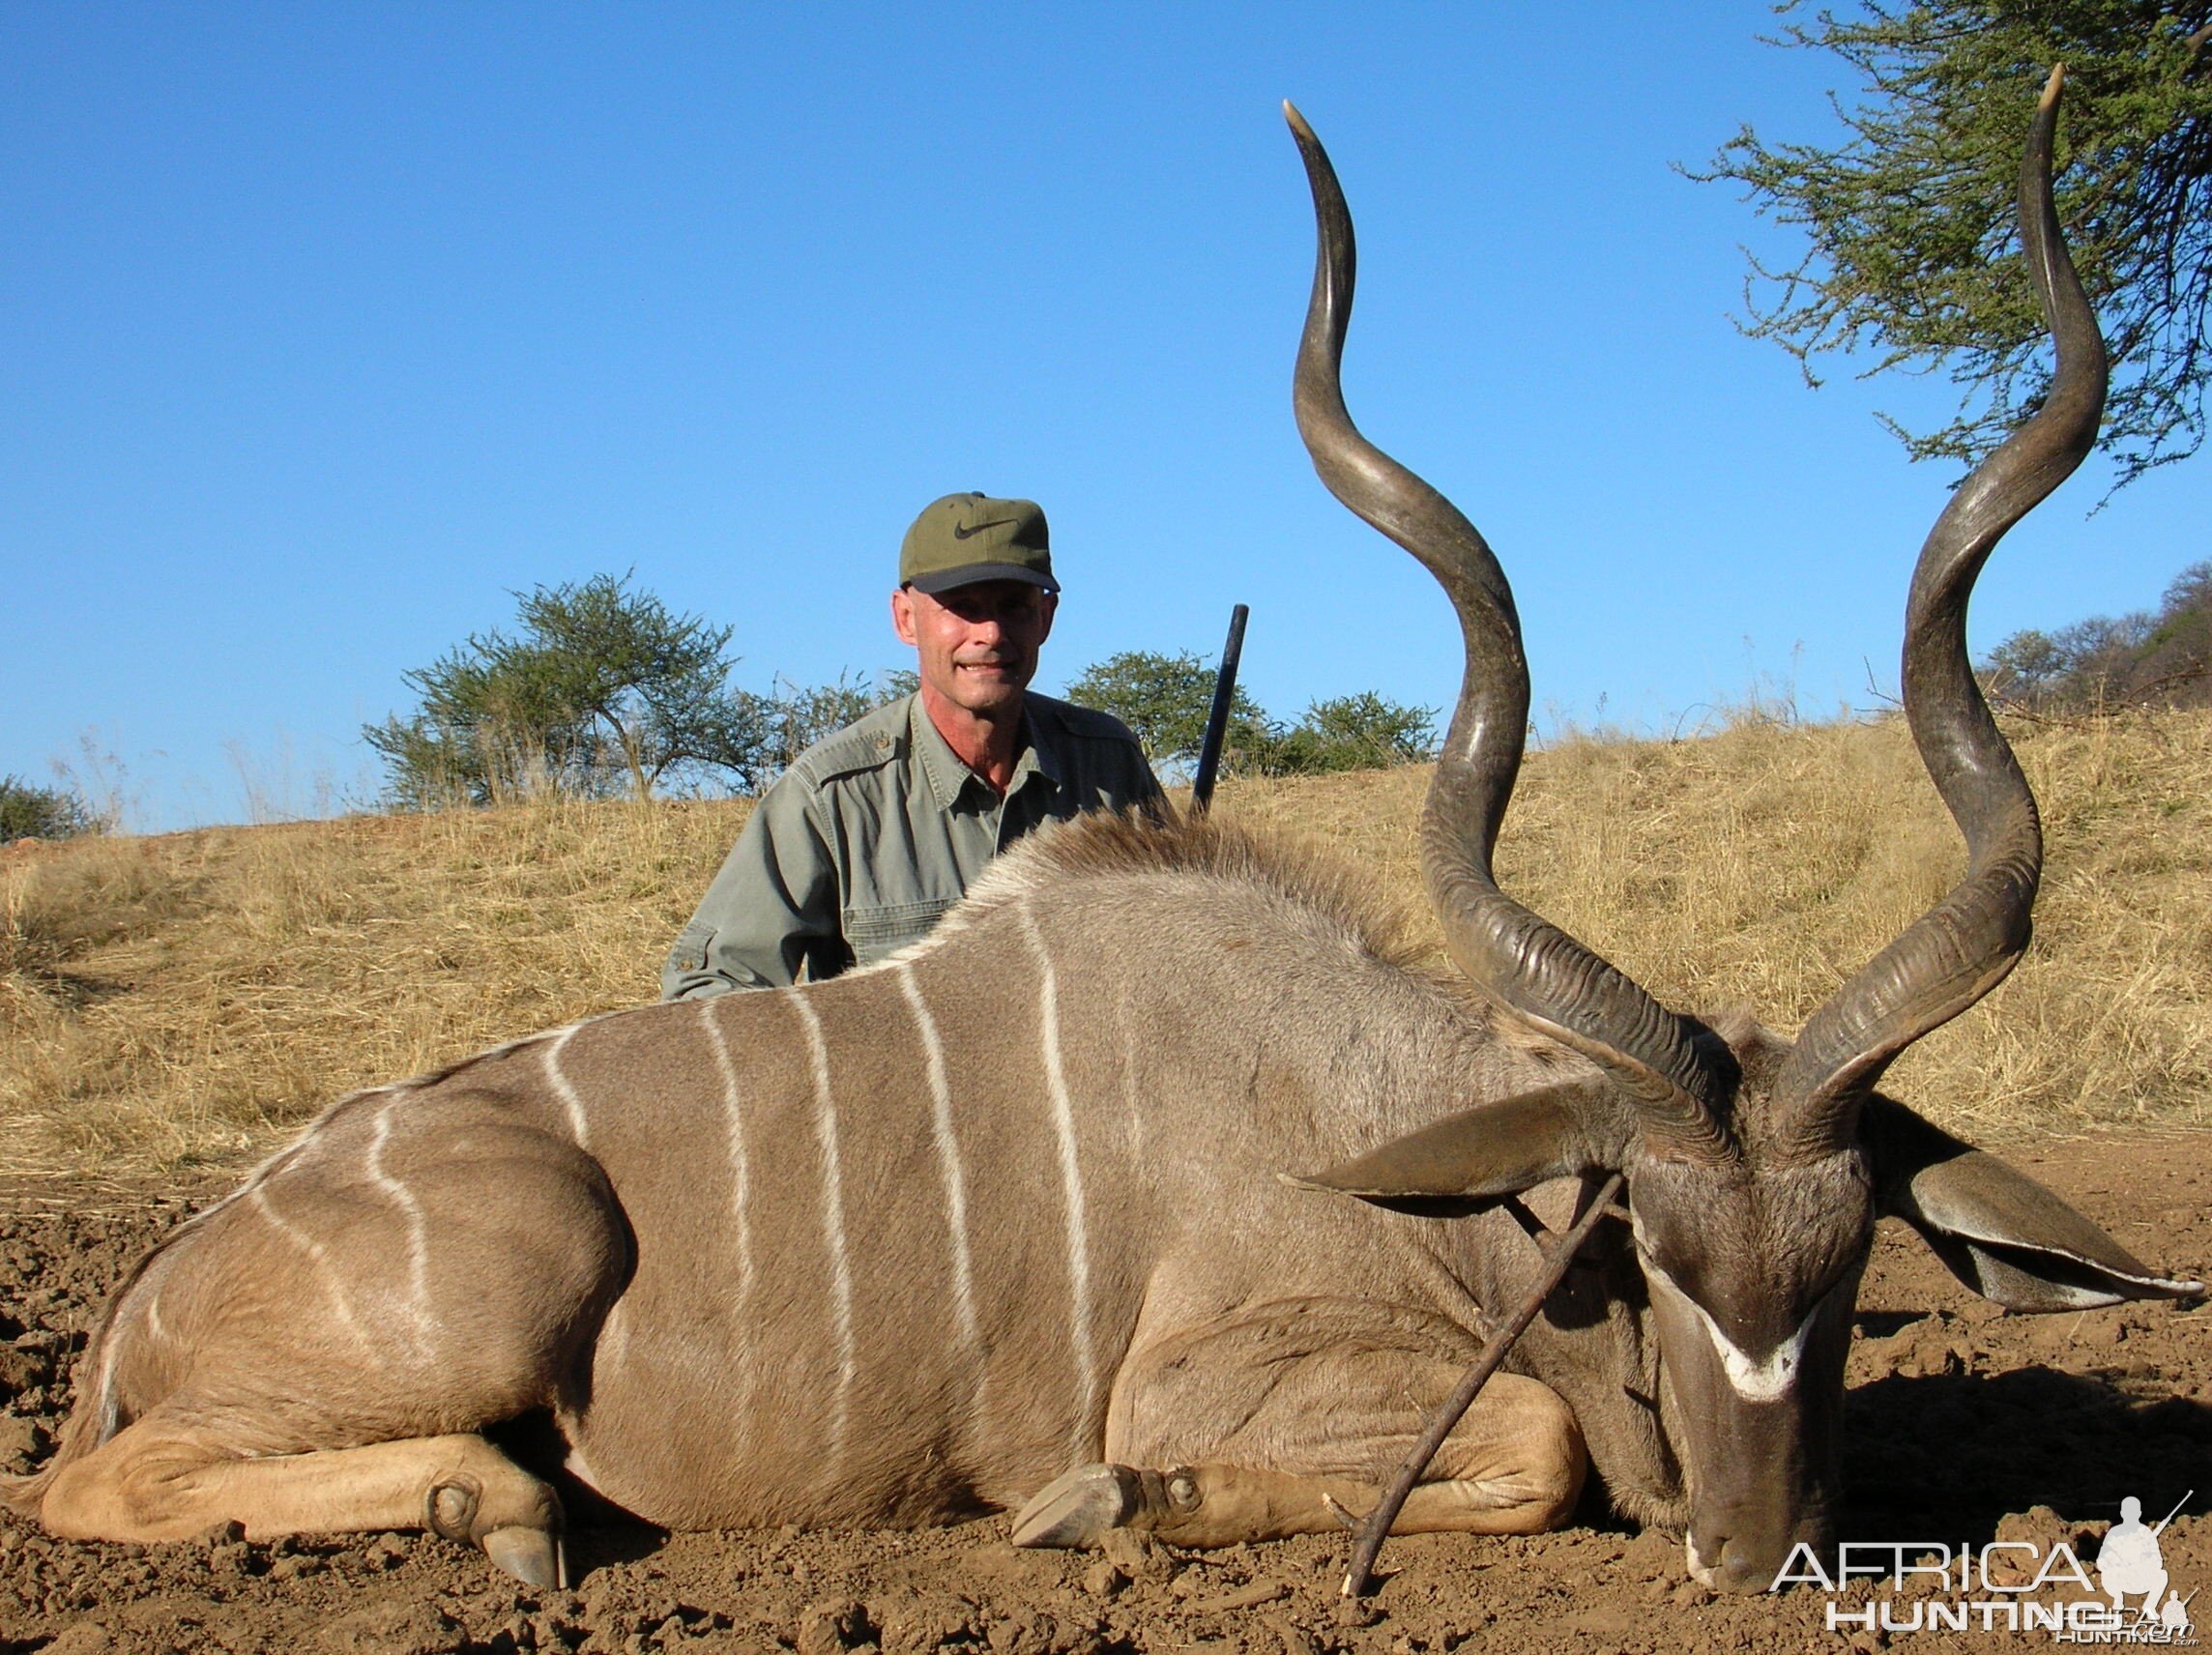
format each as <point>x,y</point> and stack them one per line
<point>960,533</point>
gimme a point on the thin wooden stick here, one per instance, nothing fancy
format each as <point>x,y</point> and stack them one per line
<point>1360,1577</point>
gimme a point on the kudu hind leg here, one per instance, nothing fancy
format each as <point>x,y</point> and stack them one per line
<point>155,1482</point>
<point>417,1270</point>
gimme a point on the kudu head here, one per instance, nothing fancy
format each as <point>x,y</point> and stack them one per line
<point>1755,1167</point>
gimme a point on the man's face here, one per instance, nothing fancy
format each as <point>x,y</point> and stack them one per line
<point>977,643</point>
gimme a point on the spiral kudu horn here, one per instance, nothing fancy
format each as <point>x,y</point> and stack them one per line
<point>1965,946</point>
<point>1533,967</point>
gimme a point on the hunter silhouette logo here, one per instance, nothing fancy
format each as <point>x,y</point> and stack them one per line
<point>1993,1587</point>
<point>2130,1564</point>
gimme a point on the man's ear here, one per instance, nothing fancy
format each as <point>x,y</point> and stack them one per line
<point>1464,1162</point>
<point>902,615</point>
<point>1997,1230</point>
<point>1048,607</point>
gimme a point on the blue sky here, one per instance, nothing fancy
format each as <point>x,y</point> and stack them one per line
<point>328,326</point>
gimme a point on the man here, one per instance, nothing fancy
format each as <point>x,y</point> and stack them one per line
<point>876,831</point>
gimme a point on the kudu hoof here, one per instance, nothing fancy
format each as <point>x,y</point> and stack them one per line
<point>532,1555</point>
<point>1079,1507</point>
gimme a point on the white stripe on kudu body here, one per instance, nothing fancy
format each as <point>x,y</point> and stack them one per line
<point>832,1213</point>
<point>734,1125</point>
<point>947,1155</point>
<point>340,1304</point>
<point>562,1089</point>
<point>418,1227</point>
<point>1071,1184</point>
<point>1132,1100</point>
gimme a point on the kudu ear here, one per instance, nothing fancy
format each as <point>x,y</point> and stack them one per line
<point>1464,1161</point>
<point>1997,1231</point>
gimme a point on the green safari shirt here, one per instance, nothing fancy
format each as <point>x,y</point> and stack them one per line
<point>874,832</point>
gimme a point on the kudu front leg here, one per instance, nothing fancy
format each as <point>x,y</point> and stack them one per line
<point>1223,1505</point>
<point>1325,1410</point>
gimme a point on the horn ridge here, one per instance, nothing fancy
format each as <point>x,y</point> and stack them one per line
<point>1535,969</point>
<point>1968,943</point>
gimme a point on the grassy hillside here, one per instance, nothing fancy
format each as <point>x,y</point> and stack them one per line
<point>191,997</point>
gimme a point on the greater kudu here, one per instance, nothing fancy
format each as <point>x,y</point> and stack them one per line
<point>914,1242</point>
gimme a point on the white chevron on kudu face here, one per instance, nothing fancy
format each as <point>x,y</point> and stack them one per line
<point>613,1350</point>
<point>1755,1378</point>
<point>832,1217</point>
<point>1070,1179</point>
<point>949,1160</point>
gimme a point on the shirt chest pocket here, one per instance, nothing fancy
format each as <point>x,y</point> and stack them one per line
<point>874,931</point>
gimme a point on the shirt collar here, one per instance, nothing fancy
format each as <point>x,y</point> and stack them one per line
<point>948,776</point>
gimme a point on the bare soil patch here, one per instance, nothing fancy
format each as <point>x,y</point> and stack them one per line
<point>1965,1424</point>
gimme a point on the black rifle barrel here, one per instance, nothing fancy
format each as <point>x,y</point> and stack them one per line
<point>1217,718</point>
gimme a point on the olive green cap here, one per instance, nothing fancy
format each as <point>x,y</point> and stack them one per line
<point>967,537</point>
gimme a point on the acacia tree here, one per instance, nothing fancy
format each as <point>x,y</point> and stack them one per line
<point>798,716</point>
<point>1913,251</point>
<point>604,685</point>
<point>2122,660</point>
<point>647,683</point>
<point>1362,732</point>
<point>1165,700</point>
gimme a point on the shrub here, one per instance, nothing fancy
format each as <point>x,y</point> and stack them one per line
<point>28,811</point>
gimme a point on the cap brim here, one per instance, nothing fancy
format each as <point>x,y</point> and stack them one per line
<point>972,574</point>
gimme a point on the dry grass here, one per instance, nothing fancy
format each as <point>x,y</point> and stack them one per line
<point>1764,865</point>
<point>190,999</point>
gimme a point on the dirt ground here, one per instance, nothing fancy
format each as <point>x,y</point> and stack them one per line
<point>1965,1425</point>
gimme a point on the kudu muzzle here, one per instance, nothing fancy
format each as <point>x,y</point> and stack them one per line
<point>1761,1434</point>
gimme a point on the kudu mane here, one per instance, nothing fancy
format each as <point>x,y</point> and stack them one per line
<point>1304,884</point>
<point>1248,875</point>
